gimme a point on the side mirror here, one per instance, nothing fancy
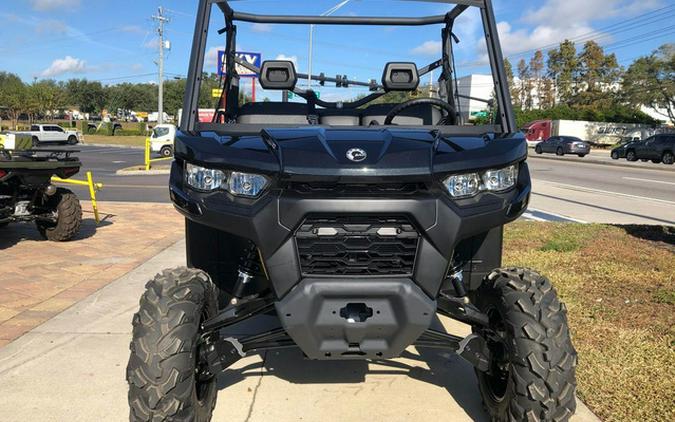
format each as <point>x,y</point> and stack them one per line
<point>278,74</point>
<point>400,77</point>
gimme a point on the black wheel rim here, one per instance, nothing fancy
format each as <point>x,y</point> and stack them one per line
<point>204,381</point>
<point>497,378</point>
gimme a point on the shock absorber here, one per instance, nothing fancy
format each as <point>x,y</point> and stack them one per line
<point>249,269</point>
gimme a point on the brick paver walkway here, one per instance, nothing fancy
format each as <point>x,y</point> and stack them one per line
<point>39,279</point>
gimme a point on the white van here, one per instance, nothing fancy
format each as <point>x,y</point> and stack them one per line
<point>161,140</point>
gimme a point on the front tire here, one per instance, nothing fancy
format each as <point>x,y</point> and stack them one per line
<point>582,155</point>
<point>68,217</point>
<point>166,152</point>
<point>538,149</point>
<point>533,370</point>
<point>164,361</point>
<point>615,155</point>
<point>668,158</point>
<point>559,152</point>
<point>35,142</point>
<point>630,156</point>
<point>72,140</point>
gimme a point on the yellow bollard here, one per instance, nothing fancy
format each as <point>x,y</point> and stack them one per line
<point>92,193</point>
<point>147,154</point>
<point>93,187</point>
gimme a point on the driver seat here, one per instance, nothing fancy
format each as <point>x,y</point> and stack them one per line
<point>423,114</point>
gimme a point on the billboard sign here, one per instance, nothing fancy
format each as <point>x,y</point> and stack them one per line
<point>253,58</point>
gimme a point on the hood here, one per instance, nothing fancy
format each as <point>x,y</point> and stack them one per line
<point>351,152</point>
<point>315,152</point>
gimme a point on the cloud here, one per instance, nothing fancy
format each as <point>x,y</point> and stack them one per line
<point>47,5</point>
<point>132,29</point>
<point>52,27</point>
<point>293,59</point>
<point>152,44</point>
<point>211,58</point>
<point>261,27</point>
<point>556,20</point>
<point>66,65</point>
<point>428,48</point>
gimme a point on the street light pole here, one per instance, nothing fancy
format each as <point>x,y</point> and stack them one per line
<point>161,19</point>
<point>311,38</point>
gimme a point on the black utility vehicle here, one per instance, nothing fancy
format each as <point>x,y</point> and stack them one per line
<point>27,194</point>
<point>354,223</point>
<point>561,145</point>
<point>657,148</point>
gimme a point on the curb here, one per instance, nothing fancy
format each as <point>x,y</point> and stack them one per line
<point>617,163</point>
<point>157,172</point>
<point>111,146</point>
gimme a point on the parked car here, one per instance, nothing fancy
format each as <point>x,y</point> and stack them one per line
<point>53,134</point>
<point>561,145</point>
<point>161,140</point>
<point>657,148</point>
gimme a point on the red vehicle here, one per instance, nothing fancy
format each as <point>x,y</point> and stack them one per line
<point>537,131</point>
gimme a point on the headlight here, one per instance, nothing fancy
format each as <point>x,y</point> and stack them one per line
<point>469,184</point>
<point>240,184</point>
<point>463,185</point>
<point>246,184</point>
<point>204,179</point>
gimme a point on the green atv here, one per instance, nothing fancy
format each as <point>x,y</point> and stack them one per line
<point>27,193</point>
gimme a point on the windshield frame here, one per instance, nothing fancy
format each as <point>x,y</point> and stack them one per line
<point>190,123</point>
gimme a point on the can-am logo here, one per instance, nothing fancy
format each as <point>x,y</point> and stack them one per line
<point>356,155</point>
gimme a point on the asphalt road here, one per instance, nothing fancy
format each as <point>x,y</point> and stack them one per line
<point>602,193</point>
<point>104,162</point>
<point>642,193</point>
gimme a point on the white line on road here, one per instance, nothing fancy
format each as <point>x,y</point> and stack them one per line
<point>626,195</point>
<point>529,216</point>
<point>560,216</point>
<point>637,179</point>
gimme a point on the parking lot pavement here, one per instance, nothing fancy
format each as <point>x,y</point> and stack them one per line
<point>40,278</point>
<point>72,368</point>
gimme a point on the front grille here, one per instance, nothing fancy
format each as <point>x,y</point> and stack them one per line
<point>353,245</point>
<point>369,189</point>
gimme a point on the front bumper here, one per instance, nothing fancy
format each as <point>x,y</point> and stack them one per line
<point>355,319</point>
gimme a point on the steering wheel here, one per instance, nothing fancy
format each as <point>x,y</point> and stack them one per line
<point>451,118</point>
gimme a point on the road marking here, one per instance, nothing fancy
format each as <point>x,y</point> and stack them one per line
<point>119,162</point>
<point>538,215</point>
<point>648,180</point>
<point>626,195</point>
<point>529,216</point>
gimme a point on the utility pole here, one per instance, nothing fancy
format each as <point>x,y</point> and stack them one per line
<point>311,38</point>
<point>161,20</point>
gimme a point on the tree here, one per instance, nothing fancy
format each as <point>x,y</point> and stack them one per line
<point>563,65</point>
<point>650,81</point>
<point>89,96</point>
<point>508,68</point>
<point>12,96</point>
<point>46,97</point>
<point>536,71</point>
<point>525,86</point>
<point>597,76</point>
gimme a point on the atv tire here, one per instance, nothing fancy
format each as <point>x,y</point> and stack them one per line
<point>68,217</point>
<point>162,369</point>
<point>532,375</point>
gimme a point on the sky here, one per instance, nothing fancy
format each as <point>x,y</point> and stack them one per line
<point>116,42</point>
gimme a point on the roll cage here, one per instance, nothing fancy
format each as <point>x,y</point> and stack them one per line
<point>447,82</point>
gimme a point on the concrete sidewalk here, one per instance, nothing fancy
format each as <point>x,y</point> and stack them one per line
<point>72,368</point>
